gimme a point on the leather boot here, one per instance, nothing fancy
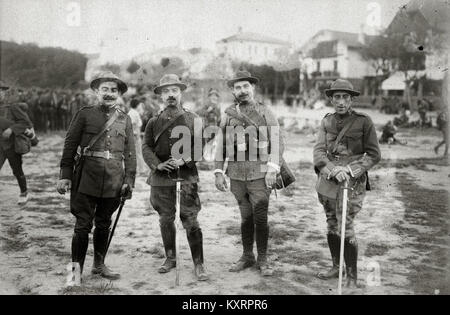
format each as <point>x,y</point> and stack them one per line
<point>195,240</point>
<point>168,234</point>
<point>351,262</point>
<point>80,243</point>
<point>334,243</point>
<point>248,237</point>
<point>100,244</point>
<point>262,238</point>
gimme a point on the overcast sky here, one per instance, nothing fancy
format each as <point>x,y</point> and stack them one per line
<point>135,26</point>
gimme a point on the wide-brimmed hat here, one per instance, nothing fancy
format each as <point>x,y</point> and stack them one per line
<point>107,76</point>
<point>169,79</point>
<point>342,86</point>
<point>213,91</point>
<point>242,76</point>
<point>3,86</point>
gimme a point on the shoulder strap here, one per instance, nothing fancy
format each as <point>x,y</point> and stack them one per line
<point>242,117</point>
<point>167,125</point>
<point>108,124</point>
<point>343,132</point>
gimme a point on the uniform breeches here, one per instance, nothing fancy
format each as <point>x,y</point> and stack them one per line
<point>89,210</point>
<point>253,200</point>
<point>163,199</point>
<point>333,209</point>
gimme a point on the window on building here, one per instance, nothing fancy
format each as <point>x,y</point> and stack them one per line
<point>256,50</point>
<point>335,65</point>
<point>318,65</point>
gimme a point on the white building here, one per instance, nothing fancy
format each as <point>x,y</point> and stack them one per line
<point>251,47</point>
<point>333,54</point>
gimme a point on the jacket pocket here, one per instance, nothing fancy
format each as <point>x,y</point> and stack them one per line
<point>354,142</point>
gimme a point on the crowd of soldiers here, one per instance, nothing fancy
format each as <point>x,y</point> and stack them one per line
<point>53,109</point>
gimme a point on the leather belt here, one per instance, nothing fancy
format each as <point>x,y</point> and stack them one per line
<point>103,154</point>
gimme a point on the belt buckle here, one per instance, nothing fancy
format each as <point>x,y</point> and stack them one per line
<point>107,155</point>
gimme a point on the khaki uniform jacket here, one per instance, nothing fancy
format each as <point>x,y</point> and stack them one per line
<point>358,149</point>
<point>156,153</point>
<point>100,177</point>
<point>249,170</point>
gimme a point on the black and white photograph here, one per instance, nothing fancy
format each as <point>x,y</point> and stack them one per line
<point>224,152</point>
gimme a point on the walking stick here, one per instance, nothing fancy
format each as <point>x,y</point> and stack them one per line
<point>122,203</point>
<point>178,180</point>
<point>343,222</point>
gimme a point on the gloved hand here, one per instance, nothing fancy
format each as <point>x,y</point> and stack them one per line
<point>342,176</point>
<point>271,178</point>
<point>336,170</point>
<point>126,191</point>
<point>221,182</point>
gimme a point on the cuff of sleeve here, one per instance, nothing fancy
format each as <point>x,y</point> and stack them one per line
<point>330,165</point>
<point>351,171</point>
<point>66,173</point>
<point>356,171</point>
<point>219,171</point>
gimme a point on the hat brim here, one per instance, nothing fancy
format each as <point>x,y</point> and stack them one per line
<point>120,84</point>
<point>252,80</point>
<point>329,92</point>
<point>157,90</point>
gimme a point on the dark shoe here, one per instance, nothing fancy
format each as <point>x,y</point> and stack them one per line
<point>200,272</point>
<point>168,264</point>
<point>105,272</point>
<point>334,243</point>
<point>241,264</point>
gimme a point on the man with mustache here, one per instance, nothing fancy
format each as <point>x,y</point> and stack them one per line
<point>104,170</point>
<point>166,164</point>
<point>252,177</point>
<point>346,148</point>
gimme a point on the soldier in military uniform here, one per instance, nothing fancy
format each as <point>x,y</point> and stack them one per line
<point>157,151</point>
<point>103,173</point>
<point>14,122</point>
<point>346,148</point>
<point>210,112</point>
<point>252,177</point>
